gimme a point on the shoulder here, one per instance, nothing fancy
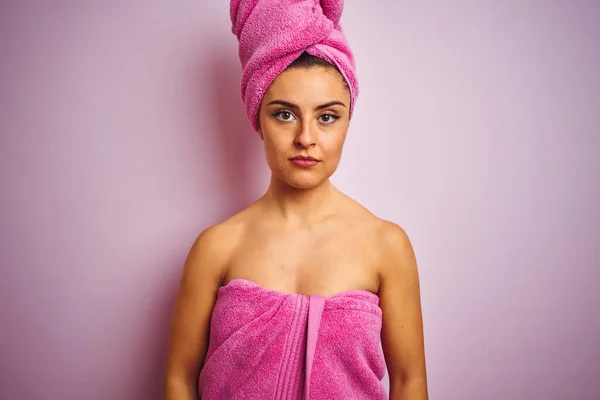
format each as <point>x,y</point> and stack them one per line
<point>395,261</point>
<point>388,240</point>
<point>393,238</point>
<point>388,235</point>
<point>213,238</point>
<point>397,257</point>
<point>212,248</point>
<point>224,236</point>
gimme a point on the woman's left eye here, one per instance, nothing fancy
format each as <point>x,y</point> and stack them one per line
<point>328,118</point>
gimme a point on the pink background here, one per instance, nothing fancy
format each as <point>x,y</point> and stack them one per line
<point>123,136</point>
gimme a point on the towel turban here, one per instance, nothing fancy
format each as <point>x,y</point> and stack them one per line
<point>273,33</point>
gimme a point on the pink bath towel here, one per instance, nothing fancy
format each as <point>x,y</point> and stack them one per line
<point>273,33</point>
<point>267,345</point>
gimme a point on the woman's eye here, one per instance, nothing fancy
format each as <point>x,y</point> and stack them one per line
<point>284,116</point>
<point>328,118</point>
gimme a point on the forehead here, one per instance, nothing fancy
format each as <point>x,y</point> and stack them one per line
<point>316,85</point>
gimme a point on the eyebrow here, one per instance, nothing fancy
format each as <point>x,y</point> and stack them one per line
<point>317,108</point>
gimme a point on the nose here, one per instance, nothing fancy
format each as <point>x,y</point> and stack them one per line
<point>305,138</point>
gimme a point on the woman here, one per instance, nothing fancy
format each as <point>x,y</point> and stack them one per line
<point>288,298</point>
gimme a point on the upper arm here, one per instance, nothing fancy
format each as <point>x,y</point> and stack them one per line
<point>399,292</point>
<point>200,280</point>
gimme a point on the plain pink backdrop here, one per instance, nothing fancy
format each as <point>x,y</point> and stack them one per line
<point>123,136</point>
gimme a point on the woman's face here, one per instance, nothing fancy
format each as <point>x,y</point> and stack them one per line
<point>305,112</point>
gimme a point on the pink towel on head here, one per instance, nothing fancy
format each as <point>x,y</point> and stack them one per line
<point>273,33</point>
<point>269,345</point>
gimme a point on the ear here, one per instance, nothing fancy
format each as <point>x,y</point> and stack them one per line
<point>260,134</point>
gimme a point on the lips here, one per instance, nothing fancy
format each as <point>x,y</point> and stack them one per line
<point>304,161</point>
<point>308,158</point>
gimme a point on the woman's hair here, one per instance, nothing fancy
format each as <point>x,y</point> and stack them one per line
<point>306,60</point>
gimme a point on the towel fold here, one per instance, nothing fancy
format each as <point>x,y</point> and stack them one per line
<point>273,33</point>
<point>265,344</point>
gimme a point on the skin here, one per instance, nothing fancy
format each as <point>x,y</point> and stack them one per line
<point>303,236</point>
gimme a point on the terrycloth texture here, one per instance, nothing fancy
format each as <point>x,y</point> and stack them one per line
<point>267,345</point>
<point>273,33</point>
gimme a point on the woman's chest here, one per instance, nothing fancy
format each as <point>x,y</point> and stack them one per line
<point>326,261</point>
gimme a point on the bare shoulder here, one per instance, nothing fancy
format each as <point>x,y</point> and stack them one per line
<point>215,244</point>
<point>394,241</point>
<point>386,240</point>
<point>398,271</point>
<point>389,236</point>
<point>390,241</point>
<point>217,238</point>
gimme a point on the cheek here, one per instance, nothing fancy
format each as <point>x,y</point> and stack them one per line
<point>334,143</point>
<point>275,152</point>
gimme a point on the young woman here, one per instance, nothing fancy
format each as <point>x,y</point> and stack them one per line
<point>289,298</point>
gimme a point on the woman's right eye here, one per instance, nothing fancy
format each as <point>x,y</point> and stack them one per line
<point>284,116</point>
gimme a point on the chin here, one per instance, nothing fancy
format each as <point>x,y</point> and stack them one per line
<point>304,182</point>
<point>299,178</point>
<point>303,185</point>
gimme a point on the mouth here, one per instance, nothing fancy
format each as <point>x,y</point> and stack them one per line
<point>307,158</point>
<point>304,161</point>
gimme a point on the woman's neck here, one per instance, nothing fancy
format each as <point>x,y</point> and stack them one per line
<point>301,207</point>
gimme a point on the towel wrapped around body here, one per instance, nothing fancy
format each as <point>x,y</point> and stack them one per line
<point>265,344</point>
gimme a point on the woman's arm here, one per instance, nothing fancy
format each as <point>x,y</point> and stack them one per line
<point>402,330</point>
<point>200,280</point>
